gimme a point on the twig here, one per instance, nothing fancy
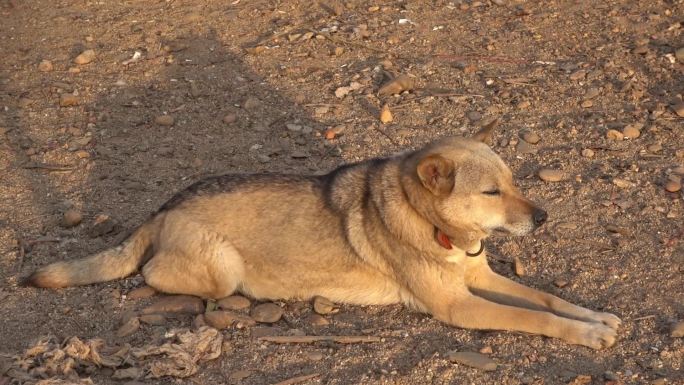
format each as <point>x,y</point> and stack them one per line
<point>45,239</point>
<point>311,339</point>
<point>49,167</point>
<point>298,379</point>
<point>644,317</point>
<point>385,134</point>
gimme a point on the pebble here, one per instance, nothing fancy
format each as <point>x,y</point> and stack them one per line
<point>230,118</point>
<point>45,66</point>
<point>632,131</point>
<point>587,104</point>
<point>239,375</point>
<point>314,356</point>
<point>164,120</point>
<point>531,137</point>
<point>474,116</point>
<point>677,330</point>
<point>519,268</point>
<point>525,148</point>
<point>127,374</point>
<point>524,104</point>
<point>129,327</point>
<point>223,319</point>
<point>560,282</point>
<point>176,304</point>
<point>71,218</point>
<point>324,306</point>
<point>386,114</point>
<point>486,350</point>
<point>578,75</point>
<point>472,359</point>
<point>299,154</point>
<point>610,376</point>
<point>85,57</point>
<point>551,175</point>
<point>673,184</point>
<point>678,109</point>
<point>679,54</point>
<point>141,292</point>
<point>68,100</point>
<point>591,93</point>
<point>103,224</point>
<point>267,312</point>
<point>614,135</point>
<point>251,103</point>
<point>622,183</point>
<point>341,92</point>
<point>588,153</point>
<point>233,302</point>
<point>153,319</point>
<point>317,320</point>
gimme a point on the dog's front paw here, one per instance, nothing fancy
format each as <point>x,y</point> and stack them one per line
<point>607,319</point>
<point>593,334</point>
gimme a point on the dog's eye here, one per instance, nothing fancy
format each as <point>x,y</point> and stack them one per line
<point>492,192</point>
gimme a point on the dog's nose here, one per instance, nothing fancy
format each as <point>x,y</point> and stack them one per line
<point>540,216</point>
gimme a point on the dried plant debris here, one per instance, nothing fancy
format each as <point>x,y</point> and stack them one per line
<point>49,362</point>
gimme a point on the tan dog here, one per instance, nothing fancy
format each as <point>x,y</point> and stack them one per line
<point>403,229</point>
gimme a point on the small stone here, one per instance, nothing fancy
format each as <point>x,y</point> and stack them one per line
<point>560,282</point>
<point>587,104</point>
<point>525,148</point>
<point>588,153</point>
<point>251,103</point>
<point>386,114</point>
<point>677,330</point>
<point>591,93</point>
<point>660,381</point>
<point>223,319</point>
<point>551,175</point>
<point>338,51</point>
<point>141,292</point>
<point>85,57</point>
<point>267,312</point>
<point>622,183</point>
<point>641,50</point>
<point>519,267</point>
<point>129,327</point>
<point>153,319</point>
<point>581,379</point>
<point>68,100</point>
<point>614,135</point>
<point>472,359</point>
<point>82,154</point>
<point>164,120</point>
<point>324,306</point>
<point>610,376</point>
<point>474,116</point>
<point>299,154</point>
<point>71,218</point>
<point>655,147</point>
<point>673,184</point>
<point>230,118</point>
<point>679,54</point>
<point>103,224</point>
<point>341,92</point>
<point>578,75</point>
<point>233,302</point>
<point>632,131</point>
<point>45,66</point>
<point>239,375</point>
<point>486,350</point>
<point>314,356</point>
<point>531,137</point>
<point>176,304</point>
<point>524,104</point>
<point>293,127</point>
<point>127,374</point>
<point>317,320</point>
<point>678,109</point>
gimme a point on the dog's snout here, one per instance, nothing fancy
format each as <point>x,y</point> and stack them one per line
<point>540,216</point>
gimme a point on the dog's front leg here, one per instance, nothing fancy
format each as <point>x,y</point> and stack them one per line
<point>486,283</point>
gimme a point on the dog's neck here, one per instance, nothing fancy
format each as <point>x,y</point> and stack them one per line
<point>445,242</point>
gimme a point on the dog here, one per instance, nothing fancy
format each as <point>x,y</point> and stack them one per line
<point>403,229</point>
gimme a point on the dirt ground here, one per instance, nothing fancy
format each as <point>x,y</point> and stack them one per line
<point>251,86</point>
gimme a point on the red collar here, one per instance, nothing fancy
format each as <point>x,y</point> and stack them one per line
<point>445,242</point>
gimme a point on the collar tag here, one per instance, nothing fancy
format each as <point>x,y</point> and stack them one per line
<point>443,240</point>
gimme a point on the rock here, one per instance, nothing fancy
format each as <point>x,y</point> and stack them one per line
<point>45,66</point>
<point>176,304</point>
<point>525,148</point>
<point>578,75</point>
<point>591,93</point>
<point>317,320</point>
<point>673,184</point>
<point>472,359</point>
<point>314,356</point>
<point>588,153</point>
<point>622,183</point>
<point>581,380</point>
<point>68,100</point>
<point>251,103</point>
<point>267,312</point>
<point>519,267</point>
<point>141,292</point>
<point>551,175</point>
<point>614,135</point>
<point>531,137</point>
<point>587,104</point>
<point>127,374</point>
<point>239,375</point>
<point>324,306</point>
<point>632,131</point>
<point>153,319</point>
<point>341,92</point>
<point>230,118</point>
<point>660,381</point>
<point>85,57</point>
<point>678,109</point>
<point>233,302</point>
<point>486,350</point>
<point>164,120</point>
<point>129,327</point>
<point>560,282</point>
<point>102,225</point>
<point>473,116</point>
<point>293,127</point>
<point>299,154</point>
<point>71,218</point>
<point>386,114</point>
<point>397,85</point>
<point>223,319</point>
<point>679,54</point>
<point>524,104</point>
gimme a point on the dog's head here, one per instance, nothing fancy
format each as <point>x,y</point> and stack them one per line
<point>465,187</point>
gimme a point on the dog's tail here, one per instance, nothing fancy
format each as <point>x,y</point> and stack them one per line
<point>110,264</point>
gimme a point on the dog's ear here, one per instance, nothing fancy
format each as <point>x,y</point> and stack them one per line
<point>485,133</point>
<point>436,173</point>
